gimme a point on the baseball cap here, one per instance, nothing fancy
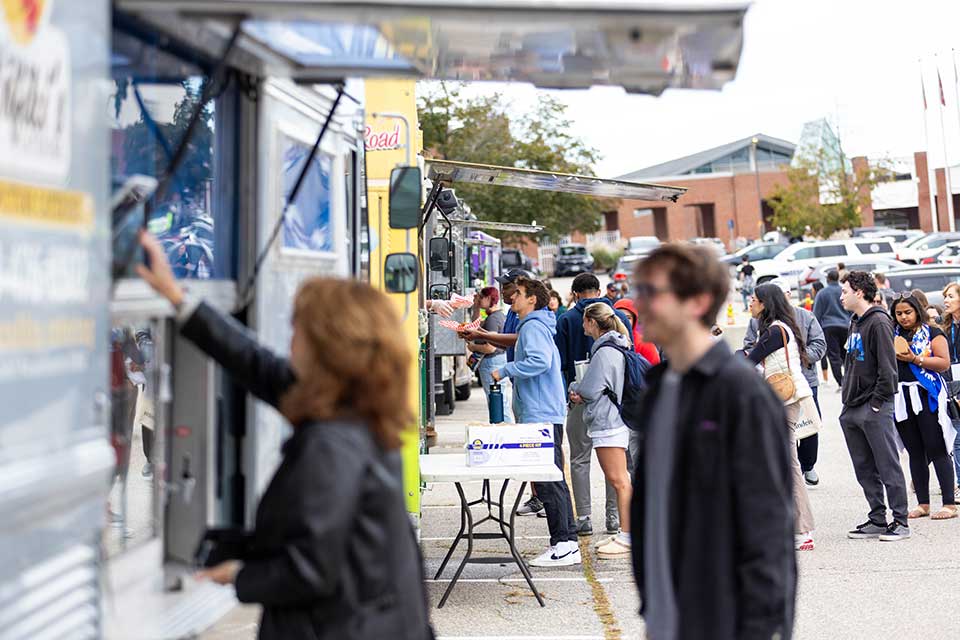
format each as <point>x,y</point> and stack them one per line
<point>611,286</point>
<point>514,273</point>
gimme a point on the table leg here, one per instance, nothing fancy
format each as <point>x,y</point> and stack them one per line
<point>464,512</point>
<point>464,505</point>
<point>508,533</point>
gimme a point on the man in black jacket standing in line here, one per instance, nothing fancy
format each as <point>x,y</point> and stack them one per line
<point>712,508</point>
<point>869,385</point>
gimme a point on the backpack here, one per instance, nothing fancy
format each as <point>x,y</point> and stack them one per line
<point>634,385</point>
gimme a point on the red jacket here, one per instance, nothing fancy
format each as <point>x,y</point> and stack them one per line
<point>647,349</point>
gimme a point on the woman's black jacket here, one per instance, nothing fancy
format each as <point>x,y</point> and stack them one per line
<point>334,553</point>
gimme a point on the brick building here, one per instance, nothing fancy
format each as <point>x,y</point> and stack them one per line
<point>727,188</point>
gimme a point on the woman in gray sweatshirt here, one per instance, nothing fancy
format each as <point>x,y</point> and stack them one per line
<point>604,375</point>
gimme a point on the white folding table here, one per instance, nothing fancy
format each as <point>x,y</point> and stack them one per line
<point>453,468</point>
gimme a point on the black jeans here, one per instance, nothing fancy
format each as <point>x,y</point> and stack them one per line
<point>556,498</point>
<point>923,438</point>
<point>808,448</point>
<point>836,350</point>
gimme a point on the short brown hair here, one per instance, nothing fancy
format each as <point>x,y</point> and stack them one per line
<point>691,271</point>
<point>535,288</point>
<point>351,330</point>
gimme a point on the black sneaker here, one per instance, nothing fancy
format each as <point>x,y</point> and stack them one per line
<point>895,532</point>
<point>868,530</point>
<point>530,507</point>
<point>584,527</point>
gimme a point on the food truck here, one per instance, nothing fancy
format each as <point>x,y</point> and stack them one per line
<point>243,134</point>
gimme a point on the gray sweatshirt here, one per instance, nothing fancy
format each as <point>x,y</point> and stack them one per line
<point>605,371</point>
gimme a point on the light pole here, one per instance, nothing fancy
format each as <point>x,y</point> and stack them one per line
<point>756,174</point>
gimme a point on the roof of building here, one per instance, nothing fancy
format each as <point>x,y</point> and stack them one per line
<point>688,164</point>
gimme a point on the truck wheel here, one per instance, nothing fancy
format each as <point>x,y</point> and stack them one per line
<point>463,392</point>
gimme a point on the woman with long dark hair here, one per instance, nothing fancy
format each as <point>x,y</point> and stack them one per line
<point>333,554</point>
<point>920,406</point>
<point>780,350</point>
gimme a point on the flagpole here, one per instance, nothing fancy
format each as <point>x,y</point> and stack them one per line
<point>934,218</point>
<point>952,223</point>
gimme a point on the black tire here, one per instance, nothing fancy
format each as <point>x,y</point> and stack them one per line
<point>463,392</point>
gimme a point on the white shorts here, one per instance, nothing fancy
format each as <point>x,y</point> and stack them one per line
<point>619,439</point>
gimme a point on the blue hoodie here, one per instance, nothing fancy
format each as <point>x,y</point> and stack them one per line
<point>572,342</point>
<point>539,394</point>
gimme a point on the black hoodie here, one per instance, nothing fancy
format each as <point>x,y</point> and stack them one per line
<point>870,367</point>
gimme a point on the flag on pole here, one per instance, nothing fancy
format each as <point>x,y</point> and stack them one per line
<point>943,100</point>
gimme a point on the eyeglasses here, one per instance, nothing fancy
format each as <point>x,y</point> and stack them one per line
<point>647,290</point>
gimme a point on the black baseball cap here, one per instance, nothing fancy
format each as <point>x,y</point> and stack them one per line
<point>512,274</point>
<point>612,286</point>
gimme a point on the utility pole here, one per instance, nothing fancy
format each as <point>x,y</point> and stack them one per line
<point>756,174</point>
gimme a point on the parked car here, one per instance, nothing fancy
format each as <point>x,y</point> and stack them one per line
<point>898,236</point>
<point>714,243</point>
<point>817,271</point>
<point>794,261</point>
<point>931,279</point>
<point>840,249</point>
<point>950,254</point>
<point>642,245</point>
<point>514,258</point>
<point>572,259</point>
<point>756,252</point>
<point>625,267</point>
<point>926,246</point>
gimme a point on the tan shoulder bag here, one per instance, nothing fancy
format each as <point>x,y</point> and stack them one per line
<point>782,382</point>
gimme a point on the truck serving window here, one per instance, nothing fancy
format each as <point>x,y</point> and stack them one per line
<point>153,97</point>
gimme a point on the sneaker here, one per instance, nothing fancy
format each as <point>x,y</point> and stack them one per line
<point>530,507</point>
<point>584,527</point>
<point>803,542</point>
<point>542,513</point>
<point>616,547</point>
<point>895,532</point>
<point>605,540</point>
<point>613,524</point>
<point>811,478</point>
<point>867,530</point>
<point>558,556</point>
<point>147,471</point>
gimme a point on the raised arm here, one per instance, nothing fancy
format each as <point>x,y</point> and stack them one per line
<point>253,366</point>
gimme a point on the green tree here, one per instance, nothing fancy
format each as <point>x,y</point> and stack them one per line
<point>481,130</point>
<point>824,194</point>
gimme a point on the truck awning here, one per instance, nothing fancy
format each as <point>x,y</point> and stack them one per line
<point>452,172</point>
<point>644,46</point>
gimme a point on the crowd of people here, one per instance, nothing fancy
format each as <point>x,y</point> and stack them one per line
<point>692,437</point>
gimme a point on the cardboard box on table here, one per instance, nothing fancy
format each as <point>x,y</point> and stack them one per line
<point>509,445</point>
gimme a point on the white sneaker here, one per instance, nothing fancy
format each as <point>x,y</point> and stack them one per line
<point>558,556</point>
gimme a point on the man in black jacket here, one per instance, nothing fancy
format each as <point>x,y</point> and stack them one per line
<point>869,384</point>
<point>712,508</point>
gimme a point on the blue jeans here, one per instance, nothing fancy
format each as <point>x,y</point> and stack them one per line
<point>487,366</point>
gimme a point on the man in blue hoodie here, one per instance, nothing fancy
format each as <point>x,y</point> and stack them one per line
<point>574,345</point>
<point>540,396</point>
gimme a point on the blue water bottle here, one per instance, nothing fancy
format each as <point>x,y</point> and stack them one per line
<point>495,403</point>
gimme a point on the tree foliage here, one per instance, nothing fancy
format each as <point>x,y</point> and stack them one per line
<point>483,130</point>
<point>824,194</point>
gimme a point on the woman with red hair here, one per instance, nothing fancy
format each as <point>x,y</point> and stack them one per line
<point>646,349</point>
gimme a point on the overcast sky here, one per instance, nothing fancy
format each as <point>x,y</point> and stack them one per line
<point>854,61</point>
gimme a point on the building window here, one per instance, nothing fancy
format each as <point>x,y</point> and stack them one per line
<point>642,213</point>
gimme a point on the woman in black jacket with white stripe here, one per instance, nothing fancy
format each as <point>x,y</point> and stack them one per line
<point>333,555</point>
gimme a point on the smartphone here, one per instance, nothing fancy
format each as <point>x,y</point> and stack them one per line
<point>127,219</point>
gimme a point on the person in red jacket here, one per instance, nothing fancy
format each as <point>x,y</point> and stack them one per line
<point>646,349</point>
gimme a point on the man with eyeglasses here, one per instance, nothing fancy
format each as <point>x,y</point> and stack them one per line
<point>712,505</point>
